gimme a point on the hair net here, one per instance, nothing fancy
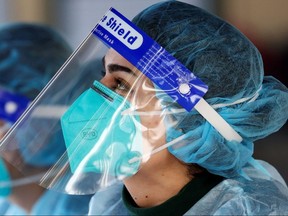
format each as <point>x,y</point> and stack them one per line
<point>30,55</point>
<point>232,67</point>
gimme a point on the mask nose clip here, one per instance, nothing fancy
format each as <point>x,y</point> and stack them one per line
<point>102,93</point>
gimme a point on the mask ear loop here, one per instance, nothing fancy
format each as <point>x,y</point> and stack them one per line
<point>209,114</point>
<point>22,181</point>
<point>49,111</point>
<point>135,159</point>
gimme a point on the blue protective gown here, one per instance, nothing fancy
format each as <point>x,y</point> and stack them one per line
<point>51,203</point>
<point>7,208</point>
<point>263,194</point>
<point>4,205</point>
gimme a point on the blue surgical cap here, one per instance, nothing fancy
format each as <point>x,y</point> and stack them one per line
<point>30,54</point>
<point>232,67</point>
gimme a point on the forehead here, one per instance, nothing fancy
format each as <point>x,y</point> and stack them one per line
<point>113,57</point>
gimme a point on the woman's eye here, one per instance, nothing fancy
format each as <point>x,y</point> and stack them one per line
<point>117,84</point>
<point>122,86</point>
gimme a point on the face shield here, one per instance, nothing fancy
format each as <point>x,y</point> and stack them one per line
<point>110,106</point>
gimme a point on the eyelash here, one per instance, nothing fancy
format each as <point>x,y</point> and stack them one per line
<point>121,85</point>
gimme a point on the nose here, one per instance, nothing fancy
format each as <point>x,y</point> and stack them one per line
<point>108,81</point>
<point>104,81</point>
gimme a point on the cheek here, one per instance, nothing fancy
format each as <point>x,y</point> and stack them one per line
<point>153,131</point>
<point>146,101</point>
<point>153,126</point>
<point>151,121</point>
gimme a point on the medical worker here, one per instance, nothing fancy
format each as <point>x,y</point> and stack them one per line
<point>30,55</point>
<point>203,173</point>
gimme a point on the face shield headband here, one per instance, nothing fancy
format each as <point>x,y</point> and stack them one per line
<point>109,109</point>
<point>11,107</point>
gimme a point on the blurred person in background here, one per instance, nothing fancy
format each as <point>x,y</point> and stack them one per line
<point>30,55</point>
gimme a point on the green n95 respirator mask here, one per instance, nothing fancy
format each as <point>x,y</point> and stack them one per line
<point>98,137</point>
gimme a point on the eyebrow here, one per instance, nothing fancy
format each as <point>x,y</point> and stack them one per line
<point>116,67</point>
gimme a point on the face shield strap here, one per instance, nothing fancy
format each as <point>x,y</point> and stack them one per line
<point>209,113</point>
<point>217,121</point>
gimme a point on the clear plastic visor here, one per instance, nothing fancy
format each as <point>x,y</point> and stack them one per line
<point>96,122</point>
